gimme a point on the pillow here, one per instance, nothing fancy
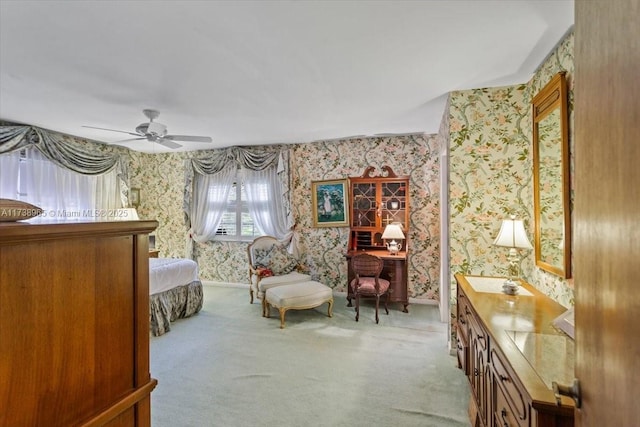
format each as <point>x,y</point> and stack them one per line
<point>280,261</point>
<point>261,257</point>
<point>264,272</point>
<point>15,210</point>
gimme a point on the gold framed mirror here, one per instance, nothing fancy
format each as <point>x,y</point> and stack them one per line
<point>551,178</point>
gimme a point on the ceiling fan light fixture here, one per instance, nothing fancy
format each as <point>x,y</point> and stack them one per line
<point>152,128</point>
<point>156,128</point>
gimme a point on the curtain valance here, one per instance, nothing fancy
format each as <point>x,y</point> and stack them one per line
<point>64,153</point>
<point>54,147</point>
<point>243,157</point>
<point>218,160</point>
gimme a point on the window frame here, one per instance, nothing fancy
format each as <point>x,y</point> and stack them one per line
<point>240,208</point>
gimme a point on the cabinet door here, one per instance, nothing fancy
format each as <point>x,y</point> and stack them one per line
<point>478,372</point>
<point>394,203</point>
<point>374,203</point>
<point>364,201</point>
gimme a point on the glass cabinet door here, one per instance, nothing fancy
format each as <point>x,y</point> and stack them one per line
<point>394,203</point>
<point>374,203</point>
<point>365,204</point>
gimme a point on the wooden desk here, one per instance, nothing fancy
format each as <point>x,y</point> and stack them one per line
<point>395,271</point>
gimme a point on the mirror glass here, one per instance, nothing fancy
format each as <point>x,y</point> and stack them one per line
<point>551,178</point>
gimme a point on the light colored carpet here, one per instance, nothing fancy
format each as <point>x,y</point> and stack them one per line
<point>228,366</point>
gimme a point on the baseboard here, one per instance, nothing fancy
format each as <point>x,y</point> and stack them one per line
<point>423,301</point>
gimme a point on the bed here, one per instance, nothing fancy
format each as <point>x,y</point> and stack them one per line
<point>175,292</point>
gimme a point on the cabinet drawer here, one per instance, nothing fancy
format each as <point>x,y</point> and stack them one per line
<point>462,351</point>
<point>478,334</point>
<point>503,414</point>
<point>504,383</point>
<point>463,314</point>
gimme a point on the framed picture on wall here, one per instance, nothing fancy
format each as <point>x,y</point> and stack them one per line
<point>329,203</point>
<point>134,197</point>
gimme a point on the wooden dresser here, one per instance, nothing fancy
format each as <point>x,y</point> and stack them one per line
<point>74,324</point>
<point>511,353</point>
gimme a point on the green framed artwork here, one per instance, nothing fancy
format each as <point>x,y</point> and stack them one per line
<point>330,208</point>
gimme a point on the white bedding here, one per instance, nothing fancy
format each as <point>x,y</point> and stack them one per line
<point>167,273</point>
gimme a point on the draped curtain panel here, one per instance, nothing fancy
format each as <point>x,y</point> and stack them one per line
<point>65,154</point>
<point>264,199</point>
<point>211,193</point>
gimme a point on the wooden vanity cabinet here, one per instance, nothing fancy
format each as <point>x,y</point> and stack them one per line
<point>507,390</point>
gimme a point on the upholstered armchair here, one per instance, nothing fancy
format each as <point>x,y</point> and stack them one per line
<point>271,265</point>
<point>367,283</point>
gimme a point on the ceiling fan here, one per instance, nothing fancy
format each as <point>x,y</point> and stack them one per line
<point>156,132</point>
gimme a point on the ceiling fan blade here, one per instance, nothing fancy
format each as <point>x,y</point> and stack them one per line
<point>168,143</point>
<point>113,130</point>
<point>188,138</point>
<point>132,139</point>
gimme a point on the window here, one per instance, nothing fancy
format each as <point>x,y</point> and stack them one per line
<point>237,223</point>
<point>238,205</point>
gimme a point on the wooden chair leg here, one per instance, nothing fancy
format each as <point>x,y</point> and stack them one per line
<point>377,304</point>
<point>250,295</point>
<point>357,307</point>
<point>386,303</point>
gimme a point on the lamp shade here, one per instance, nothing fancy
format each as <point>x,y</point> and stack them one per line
<point>512,235</point>
<point>393,231</point>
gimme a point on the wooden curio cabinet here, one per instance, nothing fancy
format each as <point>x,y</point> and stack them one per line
<point>375,202</point>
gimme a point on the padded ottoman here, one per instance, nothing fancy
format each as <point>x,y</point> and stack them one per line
<point>298,296</point>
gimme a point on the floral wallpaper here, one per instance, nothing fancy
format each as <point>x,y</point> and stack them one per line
<point>416,156</point>
<point>490,131</point>
<point>160,178</point>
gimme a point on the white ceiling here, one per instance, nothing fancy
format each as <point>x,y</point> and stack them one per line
<point>262,72</point>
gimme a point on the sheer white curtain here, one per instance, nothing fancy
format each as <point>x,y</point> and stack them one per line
<point>61,193</point>
<point>265,201</point>
<point>9,166</point>
<point>210,195</point>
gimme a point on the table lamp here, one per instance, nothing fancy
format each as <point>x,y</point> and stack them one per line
<point>512,236</point>
<point>393,231</point>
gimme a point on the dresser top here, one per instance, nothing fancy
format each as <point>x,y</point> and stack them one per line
<point>522,327</point>
<point>17,232</point>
